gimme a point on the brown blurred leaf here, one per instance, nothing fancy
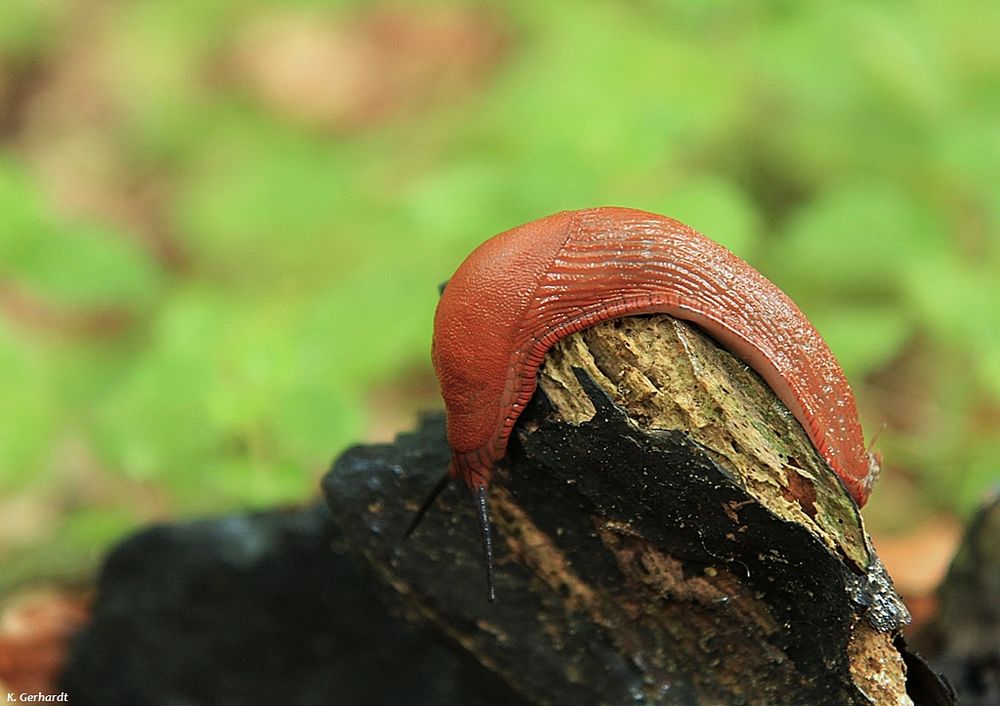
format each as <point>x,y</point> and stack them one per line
<point>347,74</point>
<point>919,558</point>
<point>35,630</point>
<point>69,129</point>
<point>31,310</point>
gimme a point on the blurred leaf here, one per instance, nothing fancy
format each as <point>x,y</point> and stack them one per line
<point>21,208</point>
<point>990,366</point>
<point>24,24</point>
<point>242,395</point>
<point>963,475</point>
<point>588,107</point>
<point>864,338</point>
<point>243,482</point>
<point>854,240</point>
<point>88,530</point>
<point>448,203</point>
<point>155,421</point>
<point>158,57</point>
<point>955,300</point>
<point>958,305</point>
<point>373,324</point>
<point>28,411</point>
<point>315,421</point>
<point>69,263</point>
<point>85,266</point>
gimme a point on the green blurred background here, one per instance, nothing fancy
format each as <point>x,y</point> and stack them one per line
<point>223,224</point>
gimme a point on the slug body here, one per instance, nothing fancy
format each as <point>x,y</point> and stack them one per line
<point>524,289</point>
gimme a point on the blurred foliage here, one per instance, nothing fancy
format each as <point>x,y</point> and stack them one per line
<point>222,224</point>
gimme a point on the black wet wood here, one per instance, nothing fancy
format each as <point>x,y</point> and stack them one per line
<point>715,562</point>
<point>962,640</point>
<point>257,608</point>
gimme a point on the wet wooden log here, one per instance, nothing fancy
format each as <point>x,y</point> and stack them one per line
<point>665,534</point>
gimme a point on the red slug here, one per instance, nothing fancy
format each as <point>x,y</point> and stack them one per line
<point>526,288</point>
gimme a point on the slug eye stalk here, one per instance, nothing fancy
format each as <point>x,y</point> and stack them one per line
<point>484,528</point>
<point>482,511</point>
<point>426,505</point>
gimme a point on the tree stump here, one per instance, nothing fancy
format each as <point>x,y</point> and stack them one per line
<point>665,533</point>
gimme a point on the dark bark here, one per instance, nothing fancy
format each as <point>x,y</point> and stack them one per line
<point>665,534</point>
<point>258,608</point>
<point>963,638</point>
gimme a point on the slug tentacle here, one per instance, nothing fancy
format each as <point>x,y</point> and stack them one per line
<point>484,527</point>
